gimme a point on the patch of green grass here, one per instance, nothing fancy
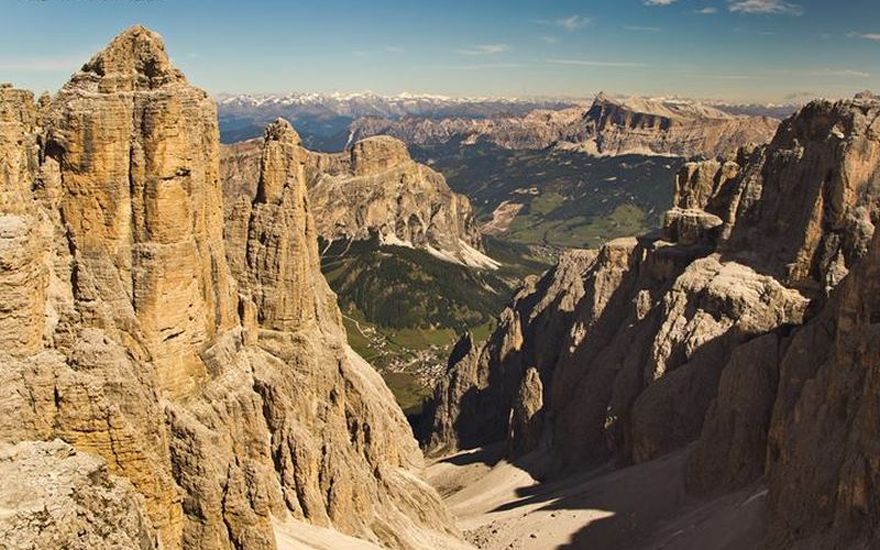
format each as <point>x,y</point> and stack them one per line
<point>410,394</point>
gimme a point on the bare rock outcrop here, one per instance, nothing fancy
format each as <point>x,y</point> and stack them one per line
<point>374,189</point>
<point>717,330</point>
<point>211,374</point>
<point>665,127</point>
<point>822,456</point>
<point>56,497</point>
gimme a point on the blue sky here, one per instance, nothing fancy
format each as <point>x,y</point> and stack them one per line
<point>744,50</point>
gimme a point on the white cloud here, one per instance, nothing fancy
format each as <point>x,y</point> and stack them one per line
<point>875,36</point>
<point>394,49</point>
<point>707,11</point>
<point>844,73</point>
<point>550,39</point>
<point>485,49</point>
<point>592,63</point>
<point>573,23</point>
<point>765,7</point>
<point>659,2</point>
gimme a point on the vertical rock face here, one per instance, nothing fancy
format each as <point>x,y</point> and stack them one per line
<point>652,126</point>
<point>221,389</point>
<point>282,245</point>
<point>822,462</point>
<point>136,148</point>
<point>375,189</point>
<point>690,335</point>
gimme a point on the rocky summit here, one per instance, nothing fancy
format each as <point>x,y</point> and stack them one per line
<point>744,331</point>
<point>202,385</point>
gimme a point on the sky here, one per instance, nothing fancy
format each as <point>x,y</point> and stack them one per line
<point>735,50</point>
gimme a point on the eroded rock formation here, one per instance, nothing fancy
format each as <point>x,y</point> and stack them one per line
<point>374,189</point>
<point>212,376</point>
<point>691,334</point>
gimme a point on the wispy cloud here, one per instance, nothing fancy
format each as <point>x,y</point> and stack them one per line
<point>764,7</point>
<point>659,2</point>
<point>394,49</point>
<point>875,36</point>
<point>485,49</point>
<point>550,39</point>
<point>570,23</point>
<point>799,95</point>
<point>479,66</point>
<point>573,22</point>
<point>808,73</point>
<point>593,63</point>
<point>708,10</point>
<point>842,73</point>
<point>638,28</point>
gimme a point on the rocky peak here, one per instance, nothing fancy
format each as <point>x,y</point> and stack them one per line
<point>378,154</point>
<point>281,130</point>
<point>807,205</point>
<point>134,60</point>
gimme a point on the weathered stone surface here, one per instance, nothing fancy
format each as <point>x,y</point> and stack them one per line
<point>822,460</point>
<point>53,496</point>
<point>732,448</point>
<point>375,189</point>
<point>691,226</point>
<point>681,336</point>
<point>224,401</point>
<point>806,205</point>
<point>525,416</point>
<point>645,126</point>
<point>137,150</point>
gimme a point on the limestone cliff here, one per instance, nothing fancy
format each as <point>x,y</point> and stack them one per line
<point>614,126</point>
<point>212,376</point>
<point>374,189</point>
<point>607,127</point>
<point>690,334</point>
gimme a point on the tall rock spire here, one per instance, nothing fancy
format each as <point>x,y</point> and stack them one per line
<point>136,147</point>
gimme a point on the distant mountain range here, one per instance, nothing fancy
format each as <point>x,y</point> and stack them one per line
<point>666,126</point>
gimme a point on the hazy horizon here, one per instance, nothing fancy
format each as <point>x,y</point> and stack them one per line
<point>730,50</point>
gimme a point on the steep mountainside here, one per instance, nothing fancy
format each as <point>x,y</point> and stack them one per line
<point>402,251</point>
<point>651,343</point>
<point>213,377</point>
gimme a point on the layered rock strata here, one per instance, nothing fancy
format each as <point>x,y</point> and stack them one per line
<point>212,376</point>
<point>607,127</point>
